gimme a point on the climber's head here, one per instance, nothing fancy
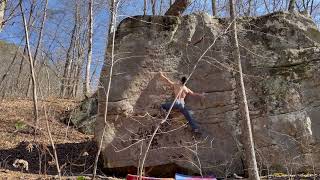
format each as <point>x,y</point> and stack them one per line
<point>183,79</point>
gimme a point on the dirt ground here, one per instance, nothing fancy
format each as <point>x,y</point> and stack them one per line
<point>76,151</point>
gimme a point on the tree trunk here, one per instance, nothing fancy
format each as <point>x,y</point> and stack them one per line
<point>242,101</point>
<point>29,24</point>
<point>112,26</point>
<point>77,67</point>
<point>3,4</point>
<point>144,7</point>
<point>39,43</point>
<point>75,75</point>
<point>178,7</point>
<point>153,5</point>
<point>291,5</point>
<point>248,13</point>
<point>67,68</point>
<point>32,73</point>
<point>89,57</point>
<point>160,7</point>
<point>214,7</point>
<point>311,7</point>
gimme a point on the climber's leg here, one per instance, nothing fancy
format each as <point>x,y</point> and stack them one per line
<point>166,106</point>
<point>187,115</point>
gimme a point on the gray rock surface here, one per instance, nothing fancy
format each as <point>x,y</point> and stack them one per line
<point>280,54</point>
<point>83,117</point>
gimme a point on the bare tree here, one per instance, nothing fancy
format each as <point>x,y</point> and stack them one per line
<point>291,5</point>
<point>29,24</point>
<point>144,7</point>
<point>178,7</point>
<point>56,159</point>
<point>112,30</point>
<point>89,55</point>
<point>2,9</point>
<point>248,13</point>
<point>67,68</point>
<point>214,7</point>
<point>242,101</point>
<point>39,42</point>
<point>32,71</point>
<point>160,7</point>
<point>153,5</point>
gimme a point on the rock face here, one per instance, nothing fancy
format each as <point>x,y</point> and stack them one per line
<point>280,54</point>
<point>83,117</point>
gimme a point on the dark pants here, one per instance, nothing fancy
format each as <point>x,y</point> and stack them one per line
<point>182,108</point>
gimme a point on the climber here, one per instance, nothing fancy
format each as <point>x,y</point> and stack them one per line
<point>180,104</point>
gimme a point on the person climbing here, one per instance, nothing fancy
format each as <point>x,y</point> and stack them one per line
<point>181,91</point>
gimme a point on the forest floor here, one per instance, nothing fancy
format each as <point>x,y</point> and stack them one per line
<point>76,151</point>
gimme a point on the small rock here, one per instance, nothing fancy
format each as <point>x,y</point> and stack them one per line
<point>20,163</point>
<point>85,153</point>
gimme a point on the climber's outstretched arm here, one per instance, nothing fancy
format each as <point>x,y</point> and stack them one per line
<point>190,92</point>
<point>164,78</point>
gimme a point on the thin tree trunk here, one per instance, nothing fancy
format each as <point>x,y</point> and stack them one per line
<point>66,74</point>
<point>153,5</point>
<point>29,24</point>
<point>311,7</point>
<point>214,7</point>
<point>41,32</point>
<point>32,73</point>
<point>145,7</point>
<point>39,42</point>
<point>75,75</point>
<point>291,5</point>
<point>243,105</point>
<point>3,4</point>
<point>53,145</point>
<point>20,68</point>
<point>266,6</point>
<point>112,28</point>
<point>248,13</point>
<point>87,90</point>
<point>77,69</point>
<point>160,7</point>
<point>178,7</point>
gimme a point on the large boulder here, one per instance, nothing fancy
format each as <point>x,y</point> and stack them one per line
<point>280,54</point>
